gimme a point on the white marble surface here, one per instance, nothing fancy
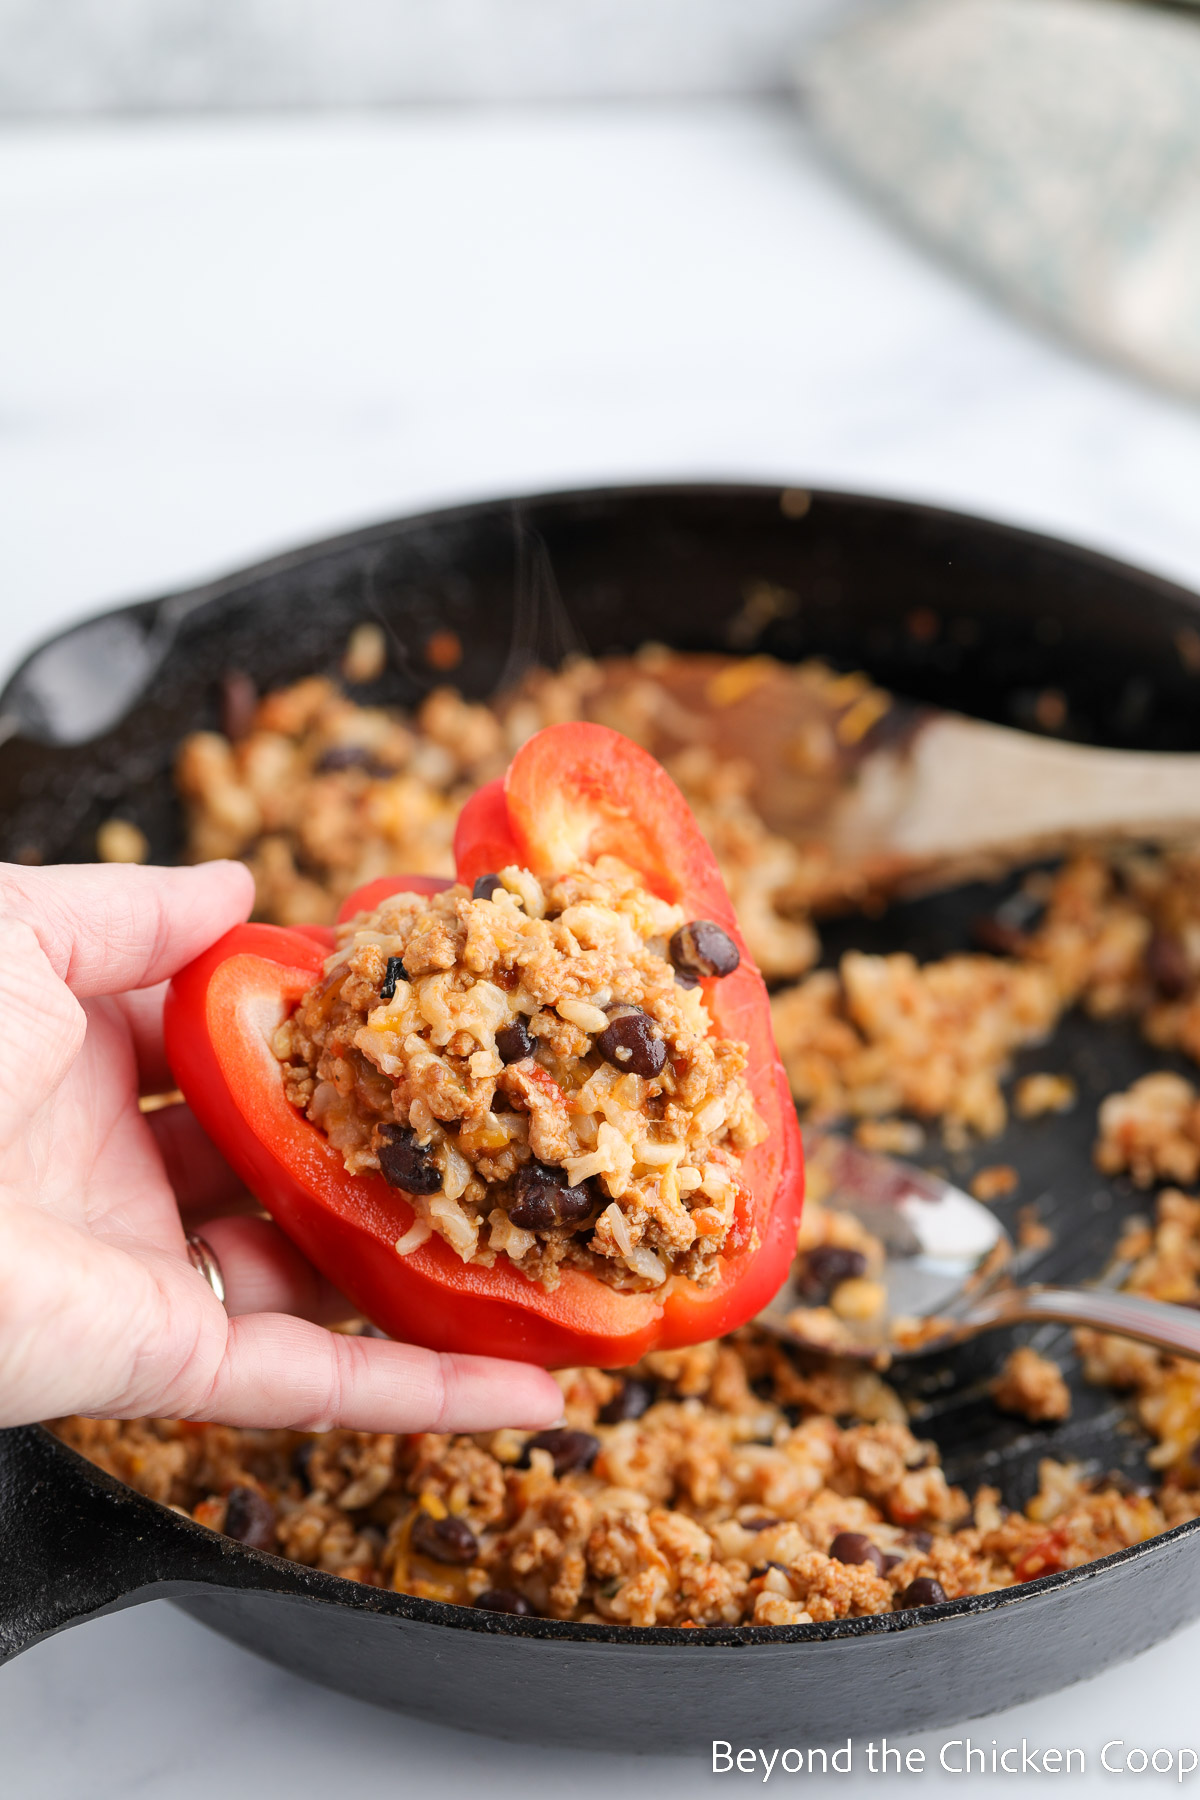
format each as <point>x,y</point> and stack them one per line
<point>148,1702</point>
<point>83,56</point>
<point>216,341</point>
<point>219,340</point>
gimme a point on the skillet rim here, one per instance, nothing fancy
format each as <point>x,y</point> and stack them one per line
<point>307,1583</point>
<point>182,602</point>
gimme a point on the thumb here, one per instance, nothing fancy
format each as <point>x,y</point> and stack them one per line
<point>106,928</point>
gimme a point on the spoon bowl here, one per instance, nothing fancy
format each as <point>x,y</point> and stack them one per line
<point>948,1270</point>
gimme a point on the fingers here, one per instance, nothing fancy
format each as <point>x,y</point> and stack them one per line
<point>201,1178</point>
<point>44,1026</point>
<point>280,1371</point>
<point>142,1011</point>
<point>105,928</point>
<point>265,1273</point>
<point>129,1330</point>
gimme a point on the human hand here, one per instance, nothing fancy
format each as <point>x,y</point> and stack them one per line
<point>101,1311</point>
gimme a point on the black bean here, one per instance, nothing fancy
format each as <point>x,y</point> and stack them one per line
<point>569,1449</point>
<point>505,1600</point>
<point>394,972</point>
<point>890,1563</point>
<point>762,1524</point>
<point>826,1267</point>
<point>514,1042</point>
<point>404,1163</point>
<point>630,1402</point>
<point>998,939</point>
<point>921,1540</point>
<point>345,756</point>
<point>630,1042</point>
<point>239,703</point>
<point>761,1569</point>
<point>447,1540</point>
<point>302,1457</point>
<point>685,979</point>
<point>1167,965</point>
<point>855,1547</point>
<point>543,1200</point>
<point>485,886</point>
<point>702,948</point>
<point>250,1518</point>
<point>924,1591</point>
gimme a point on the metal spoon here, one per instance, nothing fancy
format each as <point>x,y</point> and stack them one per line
<point>948,1269</point>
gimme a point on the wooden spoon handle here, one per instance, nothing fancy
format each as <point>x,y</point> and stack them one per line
<point>901,797</point>
<point>961,795</point>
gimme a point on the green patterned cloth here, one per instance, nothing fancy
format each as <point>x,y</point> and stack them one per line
<point>1050,146</point>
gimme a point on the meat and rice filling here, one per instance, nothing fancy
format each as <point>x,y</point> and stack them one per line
<point>534,1065</point>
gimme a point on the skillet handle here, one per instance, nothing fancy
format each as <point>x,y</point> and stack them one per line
<point>74,1543</point>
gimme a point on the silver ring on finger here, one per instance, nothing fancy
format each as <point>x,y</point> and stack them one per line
<point>203,1259</point>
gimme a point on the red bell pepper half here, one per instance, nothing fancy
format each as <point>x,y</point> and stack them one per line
<point>573,792</point>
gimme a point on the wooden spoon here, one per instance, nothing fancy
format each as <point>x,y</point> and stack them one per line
<point>898,797</point>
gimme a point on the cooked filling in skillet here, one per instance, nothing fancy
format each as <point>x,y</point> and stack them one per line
<point>715,1486</point>
<point>655,1514</point>
<point>533,1064</point>
<point>319,792</point>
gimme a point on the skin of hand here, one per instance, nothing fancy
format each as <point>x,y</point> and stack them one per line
<point>100,1310</point>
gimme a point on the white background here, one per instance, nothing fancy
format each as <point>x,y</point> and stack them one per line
<point>218,340</point>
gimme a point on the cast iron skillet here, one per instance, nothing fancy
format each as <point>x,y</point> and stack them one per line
<point>951,609</point>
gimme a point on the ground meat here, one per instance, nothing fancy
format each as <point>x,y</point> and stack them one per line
<point>614,1146</point>
<point>713,1481</point>
<point>1152,1130</point>
<point>1043,1093</point>
<point>1033,1386</point>
<point>319,794</point>
<point>1166,1266</point>
<point>719,1503</point>
<point>994,1182</point>
<point>884,1034</point>
<point>723,1473</point>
